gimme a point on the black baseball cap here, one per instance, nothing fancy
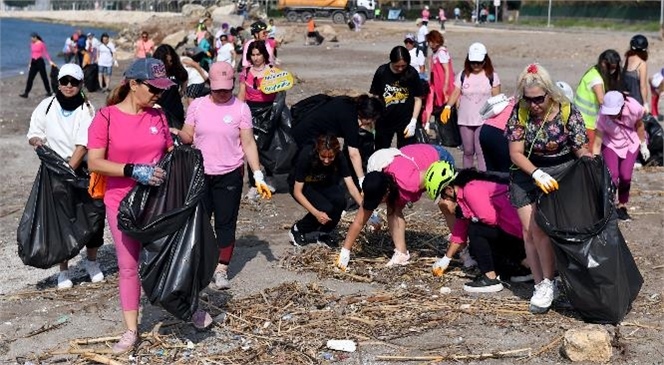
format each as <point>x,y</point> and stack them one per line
<point>374,188</point>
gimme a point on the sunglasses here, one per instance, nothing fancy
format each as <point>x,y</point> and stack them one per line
<point>153,90</point>
<point>68,80</point>
<point>475,63</point>
<point>535,99</point>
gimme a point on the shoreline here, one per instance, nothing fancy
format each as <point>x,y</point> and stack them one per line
<point>114,19</point>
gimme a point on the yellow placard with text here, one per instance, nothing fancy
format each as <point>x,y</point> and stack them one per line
<point>277,80</point>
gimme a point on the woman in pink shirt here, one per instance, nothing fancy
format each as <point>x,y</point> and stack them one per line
<point>219,125</point>
<point>486,221</point>
<point>472,88</point>
<point>144,46</point>
<point>125,141</point>
<point>441,81</point>
<point>38,52</point>
<point>250,91</point>
<point>619,137</point>
<point>396,177</point>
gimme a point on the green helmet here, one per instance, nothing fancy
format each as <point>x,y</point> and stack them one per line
<point>438,176</point>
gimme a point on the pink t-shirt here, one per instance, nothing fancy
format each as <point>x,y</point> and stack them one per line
<point>407,170</point>
<point>500,121</point>
<point>217,132</point>
<point>142,138</point>
<point>476,90</point>
<point>620,134</point>
<point>143,47</point>
<point>38,50</point>
<point>489,203</point>
<point>252,89</point>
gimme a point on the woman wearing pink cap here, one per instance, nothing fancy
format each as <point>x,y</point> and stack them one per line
<point>125,141</point>
<point>619,137</point>
<point>219,125</point>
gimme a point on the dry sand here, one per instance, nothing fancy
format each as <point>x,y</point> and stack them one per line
<point>262,241</point>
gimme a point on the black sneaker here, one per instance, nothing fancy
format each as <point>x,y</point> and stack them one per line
<point>24,95</point>
<point>521,275</point>
<point>482,284</point>
<point>622,214</point>
<point>299,239</point>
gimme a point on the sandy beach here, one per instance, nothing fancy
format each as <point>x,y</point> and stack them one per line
<point>29,301</point>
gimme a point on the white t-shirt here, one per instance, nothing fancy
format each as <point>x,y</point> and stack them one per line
<point>225,53</point>
<point>442,55</point>
<point>62,132</point>
<point>417,59</point>
<point>106,52</point>
<point>422,34</point>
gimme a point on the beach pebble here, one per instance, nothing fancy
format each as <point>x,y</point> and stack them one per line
<point>445,290</point>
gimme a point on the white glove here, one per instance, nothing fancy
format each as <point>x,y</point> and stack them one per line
<point>426,126</point>
<point>544,181</point>
<point>360,180</point>
<point>115,63</point>
<point>646,108</point>
<point>440,266</point>
<point>645,152</point>
<point>261,186</point>
<point>409,131</point>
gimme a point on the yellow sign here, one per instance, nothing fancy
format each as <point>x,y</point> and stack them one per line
<point>277,80</point>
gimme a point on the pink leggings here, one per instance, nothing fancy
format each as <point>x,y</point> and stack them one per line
<point>127,251</point>
<point>621,171</point>
<point>470,138</point>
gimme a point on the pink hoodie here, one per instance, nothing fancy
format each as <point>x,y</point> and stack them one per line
<point>489,203</point>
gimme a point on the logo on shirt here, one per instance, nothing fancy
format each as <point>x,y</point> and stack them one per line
<point>228,119</point>
<point>154,130</point>
<point>395,94</point>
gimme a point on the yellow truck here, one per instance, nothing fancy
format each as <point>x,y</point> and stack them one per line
<point>339,10</point>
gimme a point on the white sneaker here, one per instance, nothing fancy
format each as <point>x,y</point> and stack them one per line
<point>542,297</point>
<point>398,259</point>
<point>63,280</point>
<point>92,267</point>
<point>220,280</point>
<point>343,259</point>
<point>468,261</point>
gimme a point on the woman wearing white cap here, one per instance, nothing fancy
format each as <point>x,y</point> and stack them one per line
<point>472,88</point>
<point>619,137</point>
<point>61,122</point>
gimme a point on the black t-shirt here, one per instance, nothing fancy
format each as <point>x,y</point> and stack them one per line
<point>338,116</point>
<point>366,147</point>
<point>310,170</point>
<point>398,92</point>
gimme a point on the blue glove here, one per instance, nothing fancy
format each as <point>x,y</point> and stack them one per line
<point>145,174</point>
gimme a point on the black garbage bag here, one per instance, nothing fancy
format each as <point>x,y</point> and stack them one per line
<point>447,134</point>
<point>655,141</point>
<point>274,139</point>
<point>91,77</point>
<point>60,217</point>
<point>179,253</point>
<point>597,269</point>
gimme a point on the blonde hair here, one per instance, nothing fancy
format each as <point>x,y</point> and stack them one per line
<point>534,75</point>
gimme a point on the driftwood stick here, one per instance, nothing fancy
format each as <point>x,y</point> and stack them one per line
<point>491,355</point>
<point>546,348</point>
<point>634,324</point>
<point>101,359</point>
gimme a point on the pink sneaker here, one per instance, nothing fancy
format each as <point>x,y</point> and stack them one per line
<point>399,259</point>
<point>201,319</point>
<point>126,343</point>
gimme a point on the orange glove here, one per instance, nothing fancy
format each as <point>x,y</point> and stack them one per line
<point>445,114</point>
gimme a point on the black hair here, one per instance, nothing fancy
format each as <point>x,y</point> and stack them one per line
<point>35,35</point>
<point>399,53</point>
<point>392,190</point>
<point>368,107</point>
<point>105,35</point>
<point>464,176</point>
<point>175,67</point>
<point>612,81</point>
<point>260,46</point>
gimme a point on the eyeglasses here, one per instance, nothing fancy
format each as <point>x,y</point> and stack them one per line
<point>535,99</point>
<point>221,91</point>
<point>152,89</point>
<point>68,80</point>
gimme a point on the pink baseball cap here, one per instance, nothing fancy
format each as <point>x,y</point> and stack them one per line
<point>221,76</point>
<point>613,102</point>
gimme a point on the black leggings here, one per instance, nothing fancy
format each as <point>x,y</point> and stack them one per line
<point>384,136</point>
<point>328,199</point>
<point>224,195</point>
<point>37,65</point>
<point>495,149</point>
<point>494,249</point>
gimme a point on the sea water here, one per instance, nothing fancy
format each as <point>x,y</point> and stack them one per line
<point>15,42</point>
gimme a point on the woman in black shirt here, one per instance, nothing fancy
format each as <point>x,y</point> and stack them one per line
<point>315,185</point>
